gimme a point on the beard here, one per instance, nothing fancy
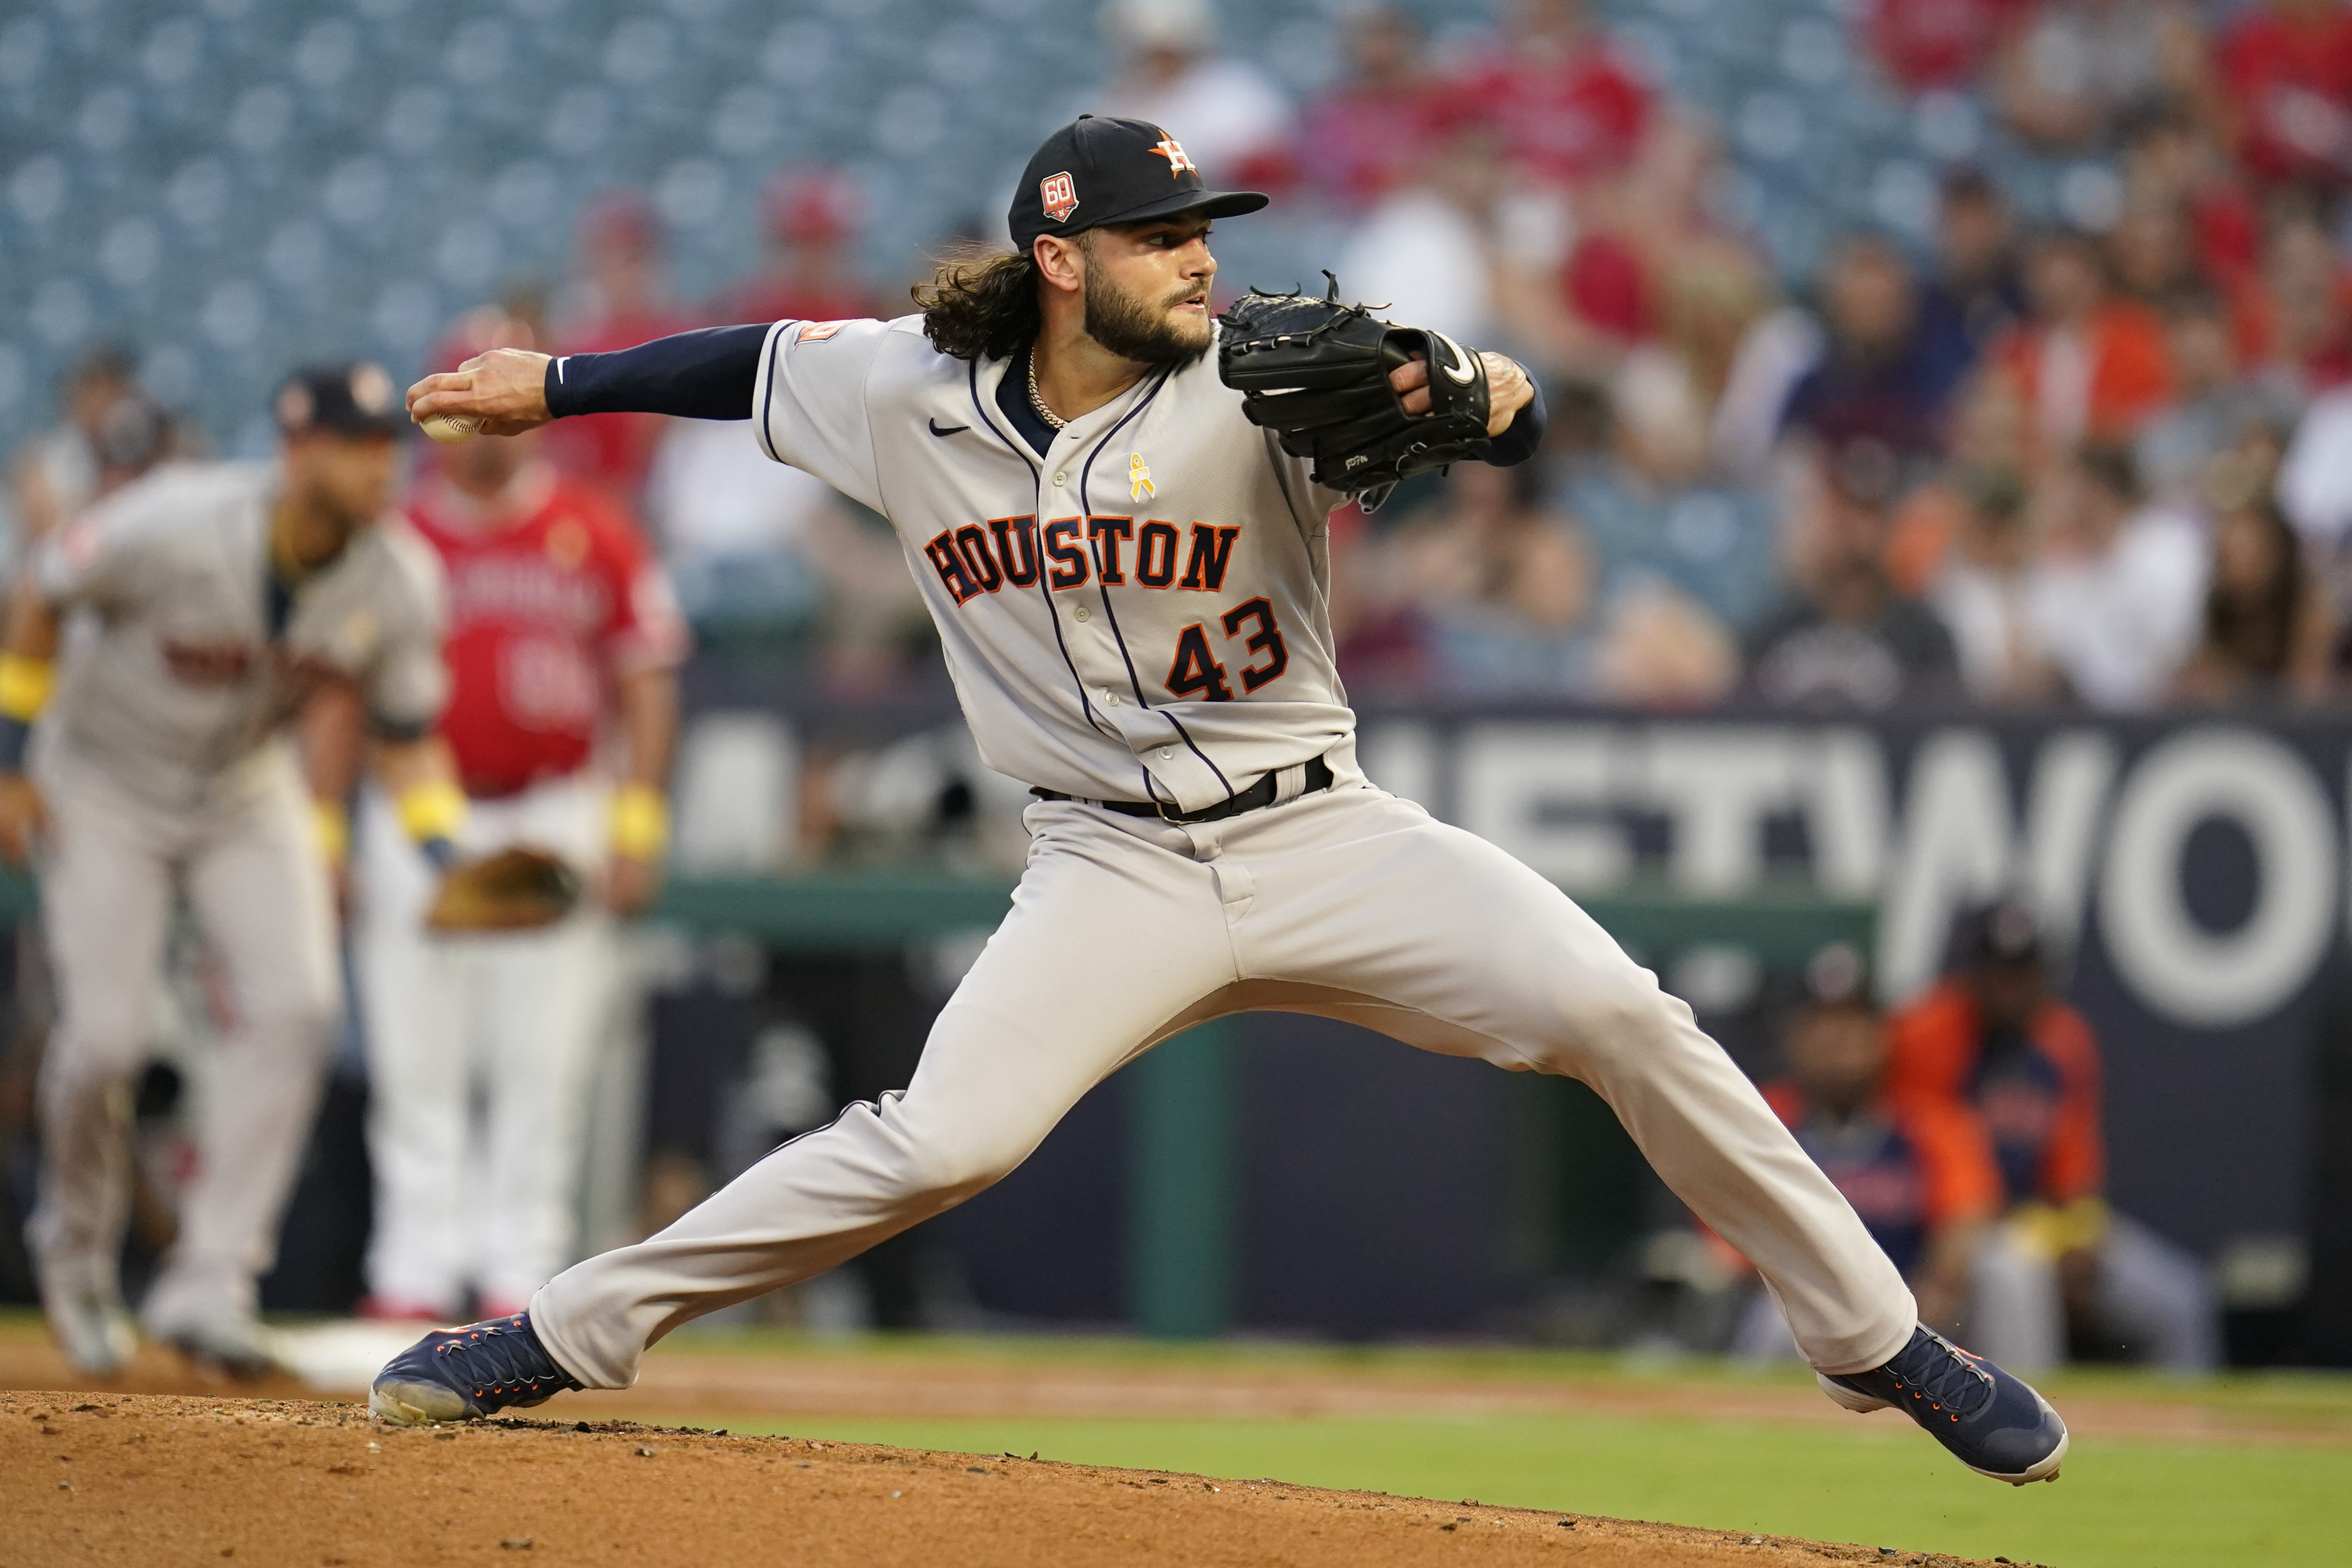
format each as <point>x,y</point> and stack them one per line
<point>1133,330</point>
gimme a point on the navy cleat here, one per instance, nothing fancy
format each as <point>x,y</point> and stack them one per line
<point>464,1375</point>
<point>1993,1423</point>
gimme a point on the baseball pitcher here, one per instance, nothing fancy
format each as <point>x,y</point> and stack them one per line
<point>1118,512</point>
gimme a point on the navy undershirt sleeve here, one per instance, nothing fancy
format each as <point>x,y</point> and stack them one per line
<point>1522,435</point>
<point>706,374</point>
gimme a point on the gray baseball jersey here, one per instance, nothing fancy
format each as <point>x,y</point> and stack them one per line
<point>1138,615</point>
<point>184,676</point>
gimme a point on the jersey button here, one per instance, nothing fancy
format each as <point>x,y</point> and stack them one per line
<point>1167,752</point>
<point>1084,614</point>
<point>1058,478</point>
<point>1110,698</point>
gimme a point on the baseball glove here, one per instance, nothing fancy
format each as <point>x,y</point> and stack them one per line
<point>1316,373</point>
<point>513,890</point>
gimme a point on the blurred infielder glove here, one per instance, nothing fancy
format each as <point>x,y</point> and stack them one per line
<point>513,890</point>
<point>1316,371</point>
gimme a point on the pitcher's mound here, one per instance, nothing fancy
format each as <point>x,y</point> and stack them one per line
<point>151,1479</point>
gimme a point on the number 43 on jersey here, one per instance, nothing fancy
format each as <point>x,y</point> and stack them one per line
<point>1196,672</point>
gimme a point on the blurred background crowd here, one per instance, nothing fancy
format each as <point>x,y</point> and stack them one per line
<point>1901,354</point>
<point>1957,349</point>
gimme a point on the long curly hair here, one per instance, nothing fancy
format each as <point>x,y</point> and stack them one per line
<point>980,303</point>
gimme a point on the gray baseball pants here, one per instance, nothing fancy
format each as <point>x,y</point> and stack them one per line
<point>252,878</point>
<point>1349,903</point>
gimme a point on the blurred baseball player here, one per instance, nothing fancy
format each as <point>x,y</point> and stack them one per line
<point>1992,1038</point>
<point>559,625</point>
<point>1128,569</point>
<point>1920,1175</point>
<point>216,598</point>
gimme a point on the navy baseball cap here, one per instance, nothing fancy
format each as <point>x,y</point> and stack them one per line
<point>1099,169</point>
<point>347,400</point>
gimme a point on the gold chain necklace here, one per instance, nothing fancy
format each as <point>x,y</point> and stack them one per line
<point>1037,399</point>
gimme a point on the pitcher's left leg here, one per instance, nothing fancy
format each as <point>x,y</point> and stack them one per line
<point>1475,954</point>
<point>1454,946</point>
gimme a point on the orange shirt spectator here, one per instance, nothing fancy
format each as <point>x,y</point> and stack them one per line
<point>1911,1170</point>
<point>2037,1090</point>
<point>2089,364</point>
<point>2286,70</point>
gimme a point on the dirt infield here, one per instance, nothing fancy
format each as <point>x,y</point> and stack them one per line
<point>155,1479</point>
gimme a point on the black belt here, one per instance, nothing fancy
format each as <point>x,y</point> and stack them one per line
<point>1262,793</point>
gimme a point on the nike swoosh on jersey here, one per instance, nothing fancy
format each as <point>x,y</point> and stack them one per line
<point>937,429</point>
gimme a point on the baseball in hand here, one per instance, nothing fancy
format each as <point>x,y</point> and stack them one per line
<point>450,428</point>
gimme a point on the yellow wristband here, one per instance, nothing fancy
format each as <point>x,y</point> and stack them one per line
<point>640,822</point>
<point>331,825</point>
<point>433,809</point>
<point>24,687</point>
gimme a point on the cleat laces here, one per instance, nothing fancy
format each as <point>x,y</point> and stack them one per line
<point>501,1360</point>
<point>1935,1376</point>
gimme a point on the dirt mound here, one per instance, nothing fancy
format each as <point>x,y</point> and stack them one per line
<point>151,1479</point>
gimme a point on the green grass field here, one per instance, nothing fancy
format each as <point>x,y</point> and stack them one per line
<point>2279,1496</point>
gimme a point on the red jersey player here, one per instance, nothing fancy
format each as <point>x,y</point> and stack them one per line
<point>562,648</point>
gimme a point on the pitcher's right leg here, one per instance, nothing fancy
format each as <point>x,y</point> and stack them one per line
<point>1114,931</point>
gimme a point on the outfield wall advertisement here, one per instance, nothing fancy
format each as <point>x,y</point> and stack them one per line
<point>2192,871</point>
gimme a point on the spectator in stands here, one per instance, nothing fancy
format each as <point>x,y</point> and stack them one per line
<point>2213,408</point>
<point>1657,514</point>
<point>1991,1036</point>
<point>2072,75</point>
<point>810,217</point>
<point>2268,630</point>
<point>2150,254</point>
<point>1500,584</point>
<point>1983,592</point>
<point>1631,256</point>
<point>1427,249</point>
<point>1848,639</point>
<point>1880,379</point>
<point>2314,478</point>
<point>1565,106</point>
<point>2297,324</point>
<point>1372,130</point>
<point>55,473</point>
<point>2174,159</point>
<point>1926,44</point>
<point>2119,589</point>
<point>1990,442</point>
<point>2088,363</point>
<point>1230,116</point>
<point>1974,294</point>
<point>1919,1173</point>
<point>2286,68</point>
<point>619,298</point>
